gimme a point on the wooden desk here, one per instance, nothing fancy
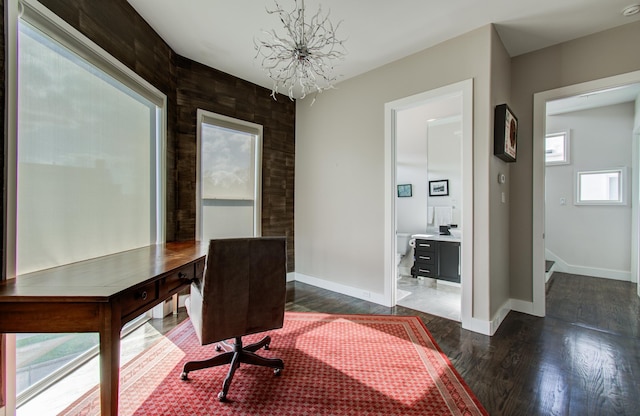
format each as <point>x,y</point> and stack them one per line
<point>100,295</point>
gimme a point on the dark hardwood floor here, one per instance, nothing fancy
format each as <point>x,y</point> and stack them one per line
<point>583,358</point>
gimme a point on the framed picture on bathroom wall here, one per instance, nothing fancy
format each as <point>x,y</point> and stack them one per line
<point>439,188</point>
<point>404,190</point>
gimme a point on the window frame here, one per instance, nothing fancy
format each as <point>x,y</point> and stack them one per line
<point>567,147</point>
<point>622,187</point>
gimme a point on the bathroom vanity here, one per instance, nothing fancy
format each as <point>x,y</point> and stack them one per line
<point>437,257</point>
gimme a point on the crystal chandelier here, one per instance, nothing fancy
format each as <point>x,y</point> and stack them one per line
<point>300,62</point>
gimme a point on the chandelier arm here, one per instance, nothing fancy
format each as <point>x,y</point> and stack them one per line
<point>300,61</point>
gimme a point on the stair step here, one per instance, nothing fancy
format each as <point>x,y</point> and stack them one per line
<point>548,265</point>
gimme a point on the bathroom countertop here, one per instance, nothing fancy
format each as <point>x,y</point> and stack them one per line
<point>437,237</point>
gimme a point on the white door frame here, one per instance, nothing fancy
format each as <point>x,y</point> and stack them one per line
<point>539,131</point>
<point>464,88</point>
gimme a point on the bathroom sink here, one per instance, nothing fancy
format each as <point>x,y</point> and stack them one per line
<point>422,235</point>
<point>455,232</point>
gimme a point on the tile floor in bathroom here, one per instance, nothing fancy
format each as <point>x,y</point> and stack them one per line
<point>429,296</point>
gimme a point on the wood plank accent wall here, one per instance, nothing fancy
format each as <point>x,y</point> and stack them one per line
<point>116,27</point>
<point>202,87</point>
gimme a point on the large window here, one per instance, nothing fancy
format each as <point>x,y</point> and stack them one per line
<point>89,169</point>
<point>87,153</point>
<point>229,177</point>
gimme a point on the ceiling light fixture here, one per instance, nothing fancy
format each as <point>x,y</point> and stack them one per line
<point>631,10</point>
<point>300,62</point>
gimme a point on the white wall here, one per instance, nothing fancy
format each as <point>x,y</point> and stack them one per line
<point>444,141</point>
<point>411,156</point>
<point>427,151</point>
<point>340,166</point>
<point>589,58</point>
<point>594,240</point>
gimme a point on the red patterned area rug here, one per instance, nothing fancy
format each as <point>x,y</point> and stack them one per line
<point>334,365</point>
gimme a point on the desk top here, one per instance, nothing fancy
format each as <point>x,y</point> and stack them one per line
<point>97,280</point>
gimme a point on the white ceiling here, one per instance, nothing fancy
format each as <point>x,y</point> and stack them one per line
<point>220,33</point>
<point>594,99</point>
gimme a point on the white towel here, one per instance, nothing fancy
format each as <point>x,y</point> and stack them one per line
<point>442,216</point>
<point>429,215</point>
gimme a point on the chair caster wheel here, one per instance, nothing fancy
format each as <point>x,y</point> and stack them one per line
<point>266,346</point>
<point>218,348</point>
<point>183,376</point>
<point>222,396</point>
<point>277,371</point>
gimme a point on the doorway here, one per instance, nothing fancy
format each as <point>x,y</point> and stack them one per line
<point>463,91</point>
<point>228,189</point>
<point>541,100</point>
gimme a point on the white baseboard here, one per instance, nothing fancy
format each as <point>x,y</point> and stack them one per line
<point>522,306</point>
<point>490,327</point>
<point>476,325</point>
<point>564,267</point>
<point>339,288</point>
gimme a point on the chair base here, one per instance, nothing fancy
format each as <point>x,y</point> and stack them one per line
<point>234,355</point>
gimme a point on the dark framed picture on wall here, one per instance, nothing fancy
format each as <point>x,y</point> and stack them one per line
<point>439,188</point>
<point>404,191</point>
<point>505,133</point>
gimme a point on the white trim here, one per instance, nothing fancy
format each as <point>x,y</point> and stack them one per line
<point>476,325</point>
<point>523,306</point>
<point>354,292</point>
<point>10,363</point>
<point>465,89</point>
<point>539,131</point>
<point>564,267</point>
<point>204,116</point>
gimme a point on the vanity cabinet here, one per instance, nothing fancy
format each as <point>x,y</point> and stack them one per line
<point>437,260</point>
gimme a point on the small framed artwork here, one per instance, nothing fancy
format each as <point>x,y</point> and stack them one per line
<point>505,133</point>
<point>439,188</point>
<point>404,190</point>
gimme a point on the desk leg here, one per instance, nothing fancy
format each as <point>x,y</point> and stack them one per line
<point>109,360</point>
<point>175,303</point>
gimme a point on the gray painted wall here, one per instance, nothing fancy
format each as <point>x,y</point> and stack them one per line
<point>590,236</point>
<point>589,58</point>
<point>340,169</point>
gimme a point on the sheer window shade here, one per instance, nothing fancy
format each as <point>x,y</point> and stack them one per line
<point>88,157</point>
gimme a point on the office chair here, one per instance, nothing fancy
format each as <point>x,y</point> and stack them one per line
<point>242,292</point>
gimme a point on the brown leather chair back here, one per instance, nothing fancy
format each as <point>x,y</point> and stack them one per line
<point>243,290</point>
